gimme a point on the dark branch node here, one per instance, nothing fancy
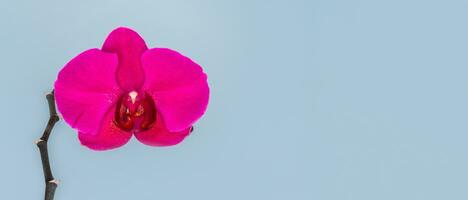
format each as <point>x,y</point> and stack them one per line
<point>51,183</point>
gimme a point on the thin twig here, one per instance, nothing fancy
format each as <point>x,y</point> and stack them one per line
<point>51,183</point>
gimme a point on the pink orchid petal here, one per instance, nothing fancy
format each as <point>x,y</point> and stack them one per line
<point>86,88</point>
<point>178,85</point>
<point>109,136</point>
<point>129,46</point>
<point>158,135</point>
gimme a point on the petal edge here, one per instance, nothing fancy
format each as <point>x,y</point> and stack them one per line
<point>178,85</point>
<point>86,88</point>
<point>108,137</point>
<point>129,46</point>
<point>159,136</point>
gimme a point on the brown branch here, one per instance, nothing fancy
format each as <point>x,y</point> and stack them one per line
<point>51,183</point>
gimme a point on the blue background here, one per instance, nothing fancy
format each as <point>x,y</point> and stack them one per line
<point>310,100</point>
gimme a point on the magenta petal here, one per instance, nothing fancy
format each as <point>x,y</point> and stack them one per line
<point>109,136</point>
<point>158,135</point>
<point>86,88</point>
<point>178,85</point>
<point>129,46</point>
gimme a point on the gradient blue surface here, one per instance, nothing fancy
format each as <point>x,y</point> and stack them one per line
<point>328,100</point>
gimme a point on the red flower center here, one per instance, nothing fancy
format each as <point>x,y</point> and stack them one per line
<point>135,111</point>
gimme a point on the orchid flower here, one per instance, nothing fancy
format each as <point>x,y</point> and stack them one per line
<point>126,89</point>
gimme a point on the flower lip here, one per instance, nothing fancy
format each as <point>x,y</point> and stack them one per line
<point>135,112</point>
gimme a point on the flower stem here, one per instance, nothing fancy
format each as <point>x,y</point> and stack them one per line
<point>51,183</point>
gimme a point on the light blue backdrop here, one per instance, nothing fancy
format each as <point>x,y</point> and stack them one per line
<point>325,100</point>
